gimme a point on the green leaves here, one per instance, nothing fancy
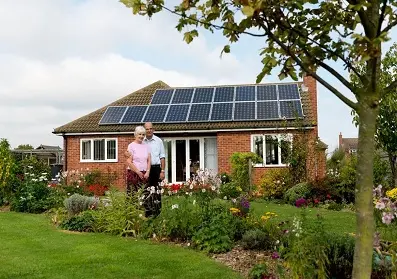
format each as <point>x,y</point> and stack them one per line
<point>189,36</point>
<point>248,11</point>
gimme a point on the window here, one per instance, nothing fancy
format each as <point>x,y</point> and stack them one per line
<point>98,150</point>
<point>273,149</point>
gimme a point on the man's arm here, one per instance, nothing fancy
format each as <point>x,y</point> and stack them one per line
<point>162,160</point>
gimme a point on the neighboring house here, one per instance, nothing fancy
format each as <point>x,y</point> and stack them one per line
<point>52,155</point>
<point>201,127</point>
<point>348,145</point>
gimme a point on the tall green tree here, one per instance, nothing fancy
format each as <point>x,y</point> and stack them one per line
<point>386,123</point>
<point>25,147</point>
<point>307,35</point>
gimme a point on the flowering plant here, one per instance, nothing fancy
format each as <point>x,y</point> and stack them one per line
<point>384,206</point>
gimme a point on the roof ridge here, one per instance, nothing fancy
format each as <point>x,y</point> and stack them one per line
<point>232,85</point>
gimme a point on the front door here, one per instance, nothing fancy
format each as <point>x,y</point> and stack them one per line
<point>184,156</point>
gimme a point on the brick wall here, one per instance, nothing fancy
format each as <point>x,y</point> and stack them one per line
<point>73,157</point>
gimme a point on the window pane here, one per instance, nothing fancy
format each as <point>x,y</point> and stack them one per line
<point>168,159</point>
<point>271,150</point>
<point>180,160</point>
<point>86,150</point>
<point>210,154</point>
<point>285,150</point>
<point>194,156</point>
<point>99,150</point>
<point>258,146</point>
<point>111,149</point>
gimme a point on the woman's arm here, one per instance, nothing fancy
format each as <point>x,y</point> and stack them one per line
<point>133,167</point>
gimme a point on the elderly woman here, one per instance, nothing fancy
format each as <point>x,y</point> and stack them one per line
<point>138,162</point>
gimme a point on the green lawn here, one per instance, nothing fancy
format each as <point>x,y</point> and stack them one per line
<point>32,248</point>
<point>334,221</point>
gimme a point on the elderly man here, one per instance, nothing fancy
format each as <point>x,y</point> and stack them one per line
<point>157,170</point>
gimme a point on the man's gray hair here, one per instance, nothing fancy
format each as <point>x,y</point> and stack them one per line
<point>139,130</point>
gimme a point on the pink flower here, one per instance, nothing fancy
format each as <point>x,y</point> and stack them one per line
<point>387,218</point>
<point>380,205</point>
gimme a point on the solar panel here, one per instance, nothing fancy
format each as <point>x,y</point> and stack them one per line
<point>288,91</point>
<point>112,115</point>
<point>134,114</point>
<point>245,93</point>
<point>203,95</point>
<point>224,94</point>
<point>244,111</point>
<point>182,96</point>
<point>155,113</point>
<point>222,111</point>
<point>291,109</point>
<point>266,92</point>
<point>199,112</point>
<point>162,96</point>
<point>267,110</point>
<point>177,113</point>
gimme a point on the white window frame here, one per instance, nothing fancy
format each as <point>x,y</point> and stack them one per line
<point>279,137</point>
<point>92,150</point>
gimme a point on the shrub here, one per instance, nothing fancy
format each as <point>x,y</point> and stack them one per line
<point>230,190</point>
<point>301,190</point>
<point>275,182</point>
<point>34,196</point>
<point>216,234</point>
<point>77,203</point>
<point>119,214</point>
<point>255,239</point>
<point>240,168</point>
<point>340,255</point>
<point>7,171</point>
<point>82,222</point>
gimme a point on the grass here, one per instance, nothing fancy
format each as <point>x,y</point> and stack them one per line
<point>338,222</point>
<point>32,248</point>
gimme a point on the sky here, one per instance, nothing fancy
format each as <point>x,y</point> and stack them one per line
<point>60,60</point>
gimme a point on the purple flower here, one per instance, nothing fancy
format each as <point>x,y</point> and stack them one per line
<point>275,255</point>
<point>300,202</point>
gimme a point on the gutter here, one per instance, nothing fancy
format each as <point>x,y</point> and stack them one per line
<point>186,131</point>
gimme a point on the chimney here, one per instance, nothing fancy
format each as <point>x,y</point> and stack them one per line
<point>311,84</point>
<point>340,140</point>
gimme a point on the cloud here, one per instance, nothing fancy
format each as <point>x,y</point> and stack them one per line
<point>62,59</point>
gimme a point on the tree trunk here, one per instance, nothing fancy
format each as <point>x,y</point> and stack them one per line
<point>362,266</point>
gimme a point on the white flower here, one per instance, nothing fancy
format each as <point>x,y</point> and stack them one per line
<point>34,179</point>
<point>194,202</point>
<point>213,188</point>
<point>174,206</point>
<point>30,167</point>
<point>277,241</point>
<point>191,186</point>
<point>203,190</point>
<point>140,203</point>
<point>140,215</point>
<point>225,197</point>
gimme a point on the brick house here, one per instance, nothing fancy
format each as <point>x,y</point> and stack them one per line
<point>348,145</point>
<point>201,128</point>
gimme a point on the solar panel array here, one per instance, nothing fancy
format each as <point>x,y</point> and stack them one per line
<point>203,104</point>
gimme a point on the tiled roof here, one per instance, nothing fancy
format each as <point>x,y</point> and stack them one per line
<point>350,143</point>
<point>89,122</point>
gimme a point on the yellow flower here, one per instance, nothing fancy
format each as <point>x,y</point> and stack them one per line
<point>392,193</point>
<point>234,210</point>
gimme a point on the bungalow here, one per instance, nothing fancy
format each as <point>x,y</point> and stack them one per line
<point>201,127</point>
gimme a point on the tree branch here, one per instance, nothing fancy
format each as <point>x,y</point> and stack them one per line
<point>392,86</point>
<point>218,27</point>
<point>390,26</point>
<point>335,74</point>
<point>347,63</point>
<point>364,19</point>
<point>342,97</point>
<point>382,17</point>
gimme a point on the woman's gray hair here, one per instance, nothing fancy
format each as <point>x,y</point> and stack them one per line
<point>139,130</point>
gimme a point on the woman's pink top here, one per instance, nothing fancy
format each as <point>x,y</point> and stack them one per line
<point>140,153</point>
